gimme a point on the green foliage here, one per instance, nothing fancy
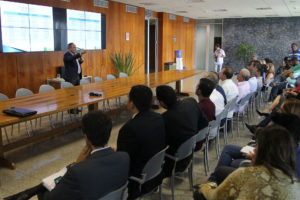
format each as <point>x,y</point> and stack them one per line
<point>244,52</point>
<point>124,63</point>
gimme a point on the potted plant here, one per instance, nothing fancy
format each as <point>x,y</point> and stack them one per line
<point>244,52</point>
<point>124,63</point>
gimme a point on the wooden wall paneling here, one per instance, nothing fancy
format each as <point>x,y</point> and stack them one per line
<point>160,42</point>
<point>8,78</point>
<point>51,63</point>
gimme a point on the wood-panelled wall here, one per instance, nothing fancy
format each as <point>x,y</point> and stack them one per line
<point>30,70</point>
<point>185,40</point>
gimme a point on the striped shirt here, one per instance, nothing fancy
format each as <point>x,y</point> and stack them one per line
<point>295,54</point>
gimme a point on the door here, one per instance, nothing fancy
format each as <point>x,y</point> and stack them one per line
<point>151,45</point>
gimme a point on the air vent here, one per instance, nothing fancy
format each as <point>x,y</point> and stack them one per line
<point>181,11</point>
<point>149,13</point>
<point>172,17</point>
<point>148,4</point>
<point>101,3</point>
<point>272,15</point>
<point>186,20</point>
<point>219,10</point>
<point>267,8</point>
<point>66,0</point>
<point>194,1</point>
<point>131,9</point>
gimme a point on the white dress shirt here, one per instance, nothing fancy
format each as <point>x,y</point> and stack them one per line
<point>253,84</point>
<point>259,81</point>
<point>231,91</point>
<point>218,99</point>
<point>244,90</point>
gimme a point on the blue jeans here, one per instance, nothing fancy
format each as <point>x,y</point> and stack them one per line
<point>231,156</point>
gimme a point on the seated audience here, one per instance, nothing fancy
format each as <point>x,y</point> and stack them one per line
<point>271,175</point>
<point>98,169</point>
<point>252,80</point>
<point>183,119</point>
<point>203,91</point>
<point>218,96</point>
<point>243,86</point>
<point>141,137</point>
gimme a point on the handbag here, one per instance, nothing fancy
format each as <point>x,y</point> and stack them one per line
<point>19,112</point>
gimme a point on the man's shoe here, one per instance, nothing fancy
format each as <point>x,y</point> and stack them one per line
<point>252,128</point>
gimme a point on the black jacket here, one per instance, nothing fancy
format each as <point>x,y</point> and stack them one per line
<point>101,173</point>
<point>71,67</point>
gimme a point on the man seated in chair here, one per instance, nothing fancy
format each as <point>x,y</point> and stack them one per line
<point>183,119</point>
<point>141,137</point>
<point>98,169</point>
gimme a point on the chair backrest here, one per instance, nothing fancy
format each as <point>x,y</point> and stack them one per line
<point>66,84</point>
<point>186,148</point>
<point>110,77</point>
<point>122,74</point>
<point>154,166</point>
<point>23,92</point>
<point>269,82</point>
<point>84,82</point>
<point>45,88</point>
<point>231,104</point>
<point>98,79</point>
<point>201,135</point>
<point>245,100</point>
<point>119,194</point>
<point>3,97</point>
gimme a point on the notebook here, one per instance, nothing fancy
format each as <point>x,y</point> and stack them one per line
<point>19,112</point>
<point>51,181</point>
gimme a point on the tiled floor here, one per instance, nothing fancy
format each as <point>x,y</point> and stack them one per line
<point>37,161</point>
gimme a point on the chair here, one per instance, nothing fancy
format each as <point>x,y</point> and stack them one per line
<point>122,75</point>
<point>46,88</point>
<point>97,79</point>
<point>185,150</point>
<point>3,97</point>
<point>242,103</point>
<point>110,77</point>
<point>203,135</point>
<point>66,84</point>
<point>20,93</point>
<point>230,107</point>
<point>223,116</point>
<point>84,82</point>
<point>151,170</point>
<point>119,194</point>
<point>265,92</point>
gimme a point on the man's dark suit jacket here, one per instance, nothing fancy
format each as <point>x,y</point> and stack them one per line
<point>101,173</point>
<point>71,67</point>
<point>183,121</point>
<point>142,137</point>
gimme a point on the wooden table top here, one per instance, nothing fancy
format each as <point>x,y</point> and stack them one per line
<point>67,98</point>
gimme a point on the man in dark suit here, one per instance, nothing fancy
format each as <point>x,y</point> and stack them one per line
<point>98,170</point>
<point>183,119</point>
<point>72,62</point>
<point>141,137</point>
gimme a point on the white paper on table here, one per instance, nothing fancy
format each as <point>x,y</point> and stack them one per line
<point>49,182</point>
<point>247,149</point>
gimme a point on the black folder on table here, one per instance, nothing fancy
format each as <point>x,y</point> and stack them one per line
<point>19,112</point>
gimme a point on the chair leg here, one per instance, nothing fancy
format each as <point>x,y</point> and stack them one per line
<point>51,122</point>
<point>6,134</point>
<point>31,126</point>
<point>244,126</point>
<point>172,182</point>
<point>206,159</point>
<point>191,177</point>
<point>238,119</point>
<point>225,133</point>
<point>159,191</point>
<point>218,144</point>
<point>232,127</point>
<point>27,130</point>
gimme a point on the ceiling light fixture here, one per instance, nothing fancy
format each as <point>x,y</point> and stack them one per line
<point>266,8</point>
<point>194,1</point>
<point>220,10</point>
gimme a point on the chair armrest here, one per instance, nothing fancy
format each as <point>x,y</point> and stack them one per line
<point>136,179</point>
<point>170,156</point>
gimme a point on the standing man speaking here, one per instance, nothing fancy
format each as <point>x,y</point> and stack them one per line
<point>219,57</point>
<point>73,61</point>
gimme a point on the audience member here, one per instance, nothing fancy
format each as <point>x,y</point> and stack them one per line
<point>295,52</point>
<point>243,86</point>
<point>252,80</point>
<point>271,175</point>
<point>219,57</point>
<point>98,169</point>
<point>141,137</point>
<point>229,87</point>
<point>203,91</point>
<point>183,119</point>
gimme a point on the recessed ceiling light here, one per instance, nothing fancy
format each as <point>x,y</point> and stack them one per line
<point>272,15</point>
<point>266,8</point>
<point>194,1</point>
<point>148,4</point>
<point>181,11</point>
<point>220,10</point>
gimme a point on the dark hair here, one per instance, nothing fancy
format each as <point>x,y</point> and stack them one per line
<point>141,96</point>
<point>268,60</point>
<point>97,126</point>
<point>286,58</point>
<point>206,87</point>
<point>294,44</point>
<point>289,121</point>
<point>70,44</point>
<point>276,150</point>
<point>217,45</point>
<point>228,72</point>
<point>167,95</point>
<point>294,59</point>
<point>291,106</point>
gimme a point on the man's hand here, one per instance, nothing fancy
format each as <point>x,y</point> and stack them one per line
<point>85,152</point>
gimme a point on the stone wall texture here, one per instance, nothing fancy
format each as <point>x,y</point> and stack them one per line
<point>271,38</point>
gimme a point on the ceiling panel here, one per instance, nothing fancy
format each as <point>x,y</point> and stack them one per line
<point>214,9</point>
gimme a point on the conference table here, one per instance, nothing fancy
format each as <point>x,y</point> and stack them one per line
<point>59,100</point>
